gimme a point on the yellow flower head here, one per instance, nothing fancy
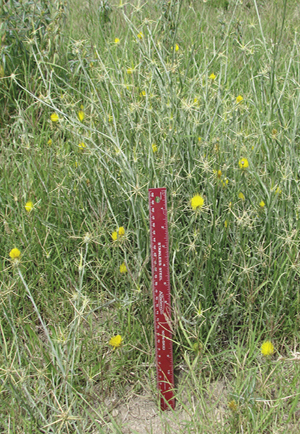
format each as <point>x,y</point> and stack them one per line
<point>49,142</point>
<point>212,76</point>
<point>118,233</point>
<point>15,253</point>
<point>262,204</point>
<point>123,268</point>
<point>219,173</point>
<point>197,202</point>
<point>121,231</point>
<point>29,206</point>
<point>226,223</point>
<point>81,115</point>
<point>154,147</point>
<point>140,35</point>
<point>82,146</point>
<point>129,71</point>
<point>233,406</point>
<point>176,47</point>
<point>267,349</point>
<point>54,117</point>
<point>117,40</point>
<point>116,341</point>
<point>243,163</point>
<point>239,99</point>
<point>241,196</point>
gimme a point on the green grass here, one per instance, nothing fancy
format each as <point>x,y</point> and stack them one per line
<point>234,263</point>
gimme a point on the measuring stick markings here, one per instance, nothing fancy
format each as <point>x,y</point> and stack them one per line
<point>161,295</point>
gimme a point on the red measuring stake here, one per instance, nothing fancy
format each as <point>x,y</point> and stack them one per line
<point>161,296</point>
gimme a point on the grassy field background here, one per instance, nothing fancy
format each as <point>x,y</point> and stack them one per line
<point>101,100</point>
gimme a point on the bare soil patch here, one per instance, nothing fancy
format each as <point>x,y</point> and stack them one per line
<point>141,414</point>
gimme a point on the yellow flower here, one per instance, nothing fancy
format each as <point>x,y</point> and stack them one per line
<point>197,202</point>
<point>226,223</point>
<point>29,206</point>
<point>81,115</point>
<point>116,341</point>
<point>123,268</point>
<point>129,71</point>
<point>267,349</point>
<point>140,35</point>
<point>54,117</point>
<point>118,233</point>
<point>15,253</point>
<point>212,76</point>
<point>82,146</point>
<point>241,196</point>
<point>239,99</point>
<point>199,139</point>
<point>278,190</point>
<point>176,47</point>
<point>233,405</point>
<point>121,231</point>
<point>117,40</point>
<point>219,173</point>
<point>243,163</point>
<point>49,142</point>
<point>262,204</point>
<point>154,147</point>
